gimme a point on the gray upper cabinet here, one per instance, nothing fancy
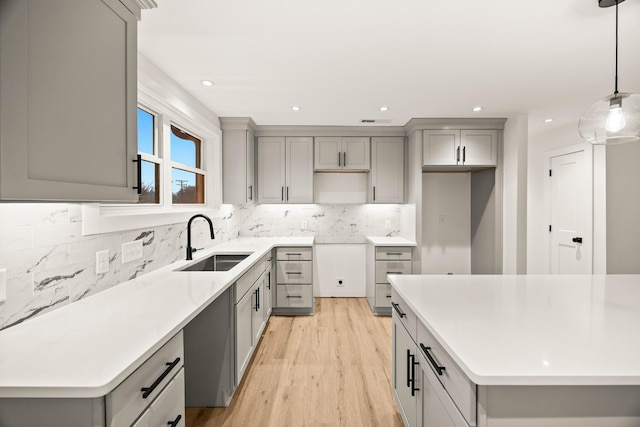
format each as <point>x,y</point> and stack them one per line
<point>238,161</point>
<point>285,169</point>
<point>68,97</point>
<point>453,147</point>
<point>387,170</point>
<point>342,153</point>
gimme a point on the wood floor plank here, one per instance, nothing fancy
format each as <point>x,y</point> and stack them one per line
<point>329,369</point>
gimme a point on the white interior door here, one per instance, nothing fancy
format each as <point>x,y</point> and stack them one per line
<point>571,214</point>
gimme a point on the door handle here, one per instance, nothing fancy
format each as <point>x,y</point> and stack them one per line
<point>577,240</point>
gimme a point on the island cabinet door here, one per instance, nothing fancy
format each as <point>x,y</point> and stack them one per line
<point>404,359</point>
<point>435,407</point>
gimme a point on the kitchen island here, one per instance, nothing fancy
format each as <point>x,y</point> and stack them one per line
<point>494,351</point>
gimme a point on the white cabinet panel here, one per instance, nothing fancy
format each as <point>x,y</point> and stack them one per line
<point>299,170</point>
<point>355,152</point>
<point>68,72</point>
<point>479,147</point>
<point>387,172</point>
<point>244,337</point>
<point>328,152</point>
<point>439,147</point>
<point>271,169</point>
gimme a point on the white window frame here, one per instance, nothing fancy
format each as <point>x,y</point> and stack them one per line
<point>103,218</point>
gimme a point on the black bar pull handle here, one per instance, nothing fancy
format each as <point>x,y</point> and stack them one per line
<point>344,159</point>
<point>269,280</point>
<point>175,422</point>
<point>397,308</point>
<point>464,154</point>
<point>577,240</point>
<point>394,272</point>
<point>146,391</point>
<point>251,192</point>
<point>394,253</point>
<point>439,369</point>
<point>294,254</point>
<point>294,296</point>
<point>287,193</point>
<point>458,154</point>
<point>138,160</point>
<point>294,272</point>
<point>282,193</point>
<point>374,193</point>
<point>413,375</point>
<point>339,159</point>
<point>408,368</point>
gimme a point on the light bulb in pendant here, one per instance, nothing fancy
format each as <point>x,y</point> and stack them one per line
<point>615,119</point>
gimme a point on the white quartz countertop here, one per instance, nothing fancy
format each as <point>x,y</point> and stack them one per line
<point>87,348</point>
<point>390,241</point>
<point>533,330</point>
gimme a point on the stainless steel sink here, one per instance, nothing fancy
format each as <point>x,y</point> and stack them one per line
<point>216,262</point>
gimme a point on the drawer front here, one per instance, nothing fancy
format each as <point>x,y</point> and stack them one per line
<point>295,254</point>
<point>294,272</point>
<point>393,253</point>
<point>383,295</point>
<point>391,267</point>
<point>246,281</point>
<point>455,382</point>
<point>127,401</point>
<point>406,316</point>
<point>294,295</point>
<point>168,408</point>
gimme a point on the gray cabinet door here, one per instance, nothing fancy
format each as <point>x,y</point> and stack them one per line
<point>299,173</point>
<point>271,169</point>
<point>68,72</point>
<point>244,336</point>
<point>387,171</point>
<point>404,353</point>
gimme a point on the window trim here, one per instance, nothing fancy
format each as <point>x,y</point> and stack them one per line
<point>103,218</point>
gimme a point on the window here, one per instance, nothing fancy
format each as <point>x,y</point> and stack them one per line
<point>187,175</point>
<point>151,162</point>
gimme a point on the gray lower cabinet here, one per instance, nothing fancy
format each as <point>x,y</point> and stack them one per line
<point>152,393</point>
<point>381,261</point>
<point>249,315</point>
<point>294,281</point>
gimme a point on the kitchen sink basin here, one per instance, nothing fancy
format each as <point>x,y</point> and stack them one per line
<point>216,262</point>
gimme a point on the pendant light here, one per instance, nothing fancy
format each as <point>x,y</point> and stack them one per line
<point>616,118</point>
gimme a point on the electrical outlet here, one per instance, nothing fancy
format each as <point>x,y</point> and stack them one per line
<point>340,282</point>
<point>387,224</point>
<point>102,262</point>
<point>304,224</point>
<point>131,251</point>
<point>3,284</point>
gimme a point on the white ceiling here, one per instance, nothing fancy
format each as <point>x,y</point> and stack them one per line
<point>340,60</point>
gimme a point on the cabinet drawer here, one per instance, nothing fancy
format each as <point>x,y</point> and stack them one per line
<point>393,253</point>
<point>383,295</point>
<point>455,382</point>
<point>294,295</point>
<point>168,408</point>
<point>246,281</point>
<point>126,402</point>
<point>295,254</point>
<point>294,272</point>
<point>406,316</point>
<point>391,267</point>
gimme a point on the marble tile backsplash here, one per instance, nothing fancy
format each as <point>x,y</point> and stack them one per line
<point>50,263</point>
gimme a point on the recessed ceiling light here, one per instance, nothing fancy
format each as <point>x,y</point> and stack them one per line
<point>476,109</point>
<point>549,120</point>
<point>295,108</point>
<point>207,83</point>
<point>384,108</point>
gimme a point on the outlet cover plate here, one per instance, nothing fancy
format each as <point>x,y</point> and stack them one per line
<point>131,251</point>
<point>102,262</point>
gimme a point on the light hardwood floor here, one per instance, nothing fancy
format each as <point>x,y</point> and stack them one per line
<point>329,369</point>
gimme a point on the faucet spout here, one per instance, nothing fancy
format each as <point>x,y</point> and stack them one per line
<point>191,250</point>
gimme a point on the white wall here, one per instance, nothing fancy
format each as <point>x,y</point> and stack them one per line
<point>446,223</point>
<point>344,261</point>
<point>514,238</point>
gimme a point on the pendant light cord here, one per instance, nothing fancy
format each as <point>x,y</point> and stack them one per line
<point>615,92</point>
